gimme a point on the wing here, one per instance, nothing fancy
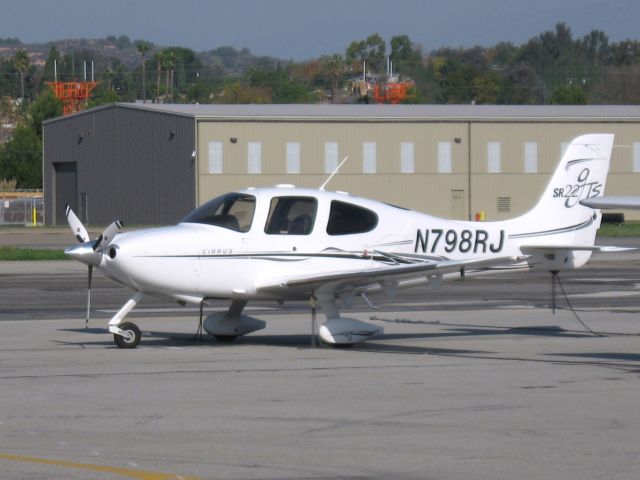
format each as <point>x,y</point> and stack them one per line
<point>375,278</point>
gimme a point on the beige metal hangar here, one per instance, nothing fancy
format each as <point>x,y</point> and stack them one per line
<point>449,160</point>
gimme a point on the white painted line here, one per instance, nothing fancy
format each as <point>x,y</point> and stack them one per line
<point>612,294</point>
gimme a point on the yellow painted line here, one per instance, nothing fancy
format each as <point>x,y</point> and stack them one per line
<point>123,472</point>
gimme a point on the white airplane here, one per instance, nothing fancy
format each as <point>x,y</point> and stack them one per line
<point>286,243</point>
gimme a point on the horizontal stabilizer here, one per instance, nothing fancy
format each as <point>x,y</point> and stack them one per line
<point>529,249</point>
<point>630,202</point>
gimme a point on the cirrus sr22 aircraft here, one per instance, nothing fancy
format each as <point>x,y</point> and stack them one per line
<point>286,243</point>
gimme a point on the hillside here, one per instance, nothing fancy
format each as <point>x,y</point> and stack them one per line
<point>122,50</point>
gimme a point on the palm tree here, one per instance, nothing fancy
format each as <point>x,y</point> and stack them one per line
<point>333,67</point>
<point>168,63</point>
<point>159,57</point>
<point>143,48</point>
<point>21,63</point>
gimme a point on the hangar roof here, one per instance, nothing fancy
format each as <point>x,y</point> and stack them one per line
<point>335,112</point>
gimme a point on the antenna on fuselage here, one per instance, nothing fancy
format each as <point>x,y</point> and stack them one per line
<point>333,173</point>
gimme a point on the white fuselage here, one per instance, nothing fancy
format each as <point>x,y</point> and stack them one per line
<point>191,261</point>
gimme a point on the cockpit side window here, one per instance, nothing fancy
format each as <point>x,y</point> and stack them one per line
<point>291,216</point>
<point>233,211</point>
<point>347,219</point>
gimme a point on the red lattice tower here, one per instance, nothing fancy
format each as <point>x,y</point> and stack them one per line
<point>392,92</point>
<point>73,95</point>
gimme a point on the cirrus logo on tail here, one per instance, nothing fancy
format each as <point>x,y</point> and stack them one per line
<point>580,190</point>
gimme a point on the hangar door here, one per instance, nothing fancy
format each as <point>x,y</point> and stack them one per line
<point>458,205</point>
<point>66,189</point>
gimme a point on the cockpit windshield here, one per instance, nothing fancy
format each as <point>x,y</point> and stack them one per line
<point>233,211</point>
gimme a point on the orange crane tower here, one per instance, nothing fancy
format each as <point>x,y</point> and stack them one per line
<point>73,95</point>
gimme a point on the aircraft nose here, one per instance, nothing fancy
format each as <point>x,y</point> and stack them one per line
<point>84,253</point>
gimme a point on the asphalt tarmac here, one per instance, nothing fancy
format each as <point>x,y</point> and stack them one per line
<point>478,380</point>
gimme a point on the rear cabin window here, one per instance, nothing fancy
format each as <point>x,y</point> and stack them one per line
<point>233,211</point>
<point>291,216</point>
<point>347,219</point>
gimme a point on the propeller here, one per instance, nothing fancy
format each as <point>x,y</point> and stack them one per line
<point>76,225</point>
<point>89,251</point>
<point>107,235</point>
<point>90,274</point>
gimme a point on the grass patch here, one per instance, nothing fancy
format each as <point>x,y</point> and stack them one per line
<point>30,254</point>
<point>626,229</point>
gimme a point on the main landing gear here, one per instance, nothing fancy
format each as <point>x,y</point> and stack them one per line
<point>224,326</point>
<point>337,331</point>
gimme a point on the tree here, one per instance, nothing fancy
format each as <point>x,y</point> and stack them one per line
<point>158,60</point>
<point>618,85</point>
<point>45,107</point>
<point>568,95</point>
<point>103,96</point>
<point>21,62</point>
<point>333,69</point>
<point>53,60</point>
<point>405,58</point>
<point>626,52</point>
<point>501,54</point>
<point>376,49</point>
<point>21,158</point>
<point>486,88</point>
<point>372,51</point>
<point>522,86</point>
<point>595,48</point>
<point>455,80</point>
<point>168,63</point>
<point>283,89</point>
<point>237,93</point>
<point>143,47</point>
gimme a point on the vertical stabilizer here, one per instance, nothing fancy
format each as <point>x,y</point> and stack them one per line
<point>559,218</point>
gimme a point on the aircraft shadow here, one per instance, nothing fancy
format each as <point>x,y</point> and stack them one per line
<point>618,356</point>
<point>459,330</point>
<point>303,341</point>
<point>629,362</point>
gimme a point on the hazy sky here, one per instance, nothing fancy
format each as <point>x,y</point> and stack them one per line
<point>302,29</point>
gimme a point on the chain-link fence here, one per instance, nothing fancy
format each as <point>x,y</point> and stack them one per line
<point>21,208</point>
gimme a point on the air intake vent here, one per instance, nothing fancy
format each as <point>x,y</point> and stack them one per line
<point>504,204</point>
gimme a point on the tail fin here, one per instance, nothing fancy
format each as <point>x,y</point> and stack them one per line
<point>559,218</point>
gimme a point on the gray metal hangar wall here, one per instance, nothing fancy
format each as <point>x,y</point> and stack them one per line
<point>116,162</point>
<point>448,160</point>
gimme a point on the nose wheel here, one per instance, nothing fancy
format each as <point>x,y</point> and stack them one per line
<point>128,336</point>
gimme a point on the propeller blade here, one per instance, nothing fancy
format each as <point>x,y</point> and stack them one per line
<point>76,225</point>
<point>86,322</point>
<point>107,235</point>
